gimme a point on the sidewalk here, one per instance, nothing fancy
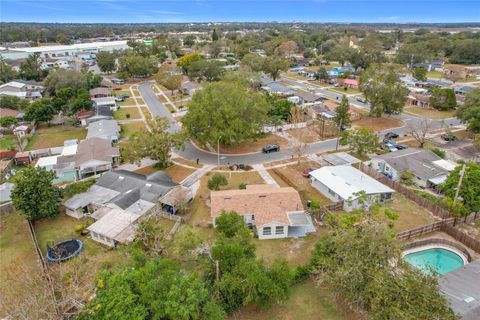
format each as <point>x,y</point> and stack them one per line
<point>265,175</point>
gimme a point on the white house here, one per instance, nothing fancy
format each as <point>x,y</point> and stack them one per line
<point>344,183</point>
<point>105,102</point>
<point>273,212</point>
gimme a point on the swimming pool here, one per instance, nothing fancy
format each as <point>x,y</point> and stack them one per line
<point>441,260</point>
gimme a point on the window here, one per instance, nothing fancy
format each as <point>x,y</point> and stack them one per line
<point>279,230</point>
<point>331,192</point>
<point>267,231</point>
<point>253,217</point>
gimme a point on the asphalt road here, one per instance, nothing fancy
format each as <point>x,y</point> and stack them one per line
<point>192,153</point>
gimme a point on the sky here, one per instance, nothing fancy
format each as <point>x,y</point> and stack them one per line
<point>149,11</point>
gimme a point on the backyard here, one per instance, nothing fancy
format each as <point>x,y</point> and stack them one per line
<point>129,128</point>
<point>411,215</point>
<point>8,142</point>
<point>54,136</point>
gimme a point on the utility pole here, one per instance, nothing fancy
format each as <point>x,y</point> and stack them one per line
<point>459,185</point>
<point>218,151</point>
<point>338,136</point>
<point>217,279</point>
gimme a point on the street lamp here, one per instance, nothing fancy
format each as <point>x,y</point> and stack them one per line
<point>218,151</point>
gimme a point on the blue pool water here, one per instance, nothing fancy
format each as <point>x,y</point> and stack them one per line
<point>438,259</point>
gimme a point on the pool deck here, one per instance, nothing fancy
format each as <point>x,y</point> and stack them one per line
<point>436,246</point>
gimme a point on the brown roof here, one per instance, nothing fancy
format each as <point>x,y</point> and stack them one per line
<point>421,97</point>
<point>4,112</point>
<point>268,203</point>
<point>91,149</point>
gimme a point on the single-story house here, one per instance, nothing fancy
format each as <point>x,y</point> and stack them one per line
<point>93,156</point>
<point>461,288</point>
<point>104,129</point>
<point>349,83</point>
<point>100,92</point>
<point>20,131</point>
<point>98,113</point>
<point>462,150</point>
<point>320,112</point>
<point>428,169</point>
<point>307,97</point>
<point>105,102</point>
<point>276,88</point>
<point>419,100</point>
<point>23,158</point>
<point>4,112</point>
<point>436,65</point>
<point>22,89</point>
<point>344,183</point>
<point>339,159</point>
<point>273,212</point>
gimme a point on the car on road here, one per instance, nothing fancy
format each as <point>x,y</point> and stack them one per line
<point>448,137</point>
<point>306,172</point>
<point>361,99</point>
<point>391,135</point>
<point>271,148</point>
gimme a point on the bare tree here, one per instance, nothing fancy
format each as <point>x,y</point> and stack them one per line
<point>299,146</point>
<point>152,235</point>
<point>420,131</point>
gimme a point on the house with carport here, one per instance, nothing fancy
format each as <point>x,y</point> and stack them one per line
<point>271,211</point>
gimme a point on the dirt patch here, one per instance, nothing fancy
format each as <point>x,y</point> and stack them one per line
<point>187,162</point>
<point>314,133</point>
<point>411,215</point>
<point>378,124</point>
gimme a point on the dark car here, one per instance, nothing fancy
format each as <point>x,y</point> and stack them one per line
<point>271,148</point>
<point>306,172</point>
<point>448,137</point>
<point>401,146</point>
<point>391,135</point>
<point>388,141</point>
<point>122,97</point>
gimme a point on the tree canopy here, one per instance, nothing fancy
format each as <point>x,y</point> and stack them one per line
<point>362,140</point>
<point>186,61</point>
<point>106,61</point>
<point>469,193</point>
<point>34,195</point>
<point>342,114</point>
<point>40,110</point>
<point>420,74</point>
<point>31,68</point>
<point>6,72</point>
<point>136,66</point>
<point>470,110</point>
<point>383,89</point>
<point>443,99</point>
<point>168,77</point>
<point>228,110</point>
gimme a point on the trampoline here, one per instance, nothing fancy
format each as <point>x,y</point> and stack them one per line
<point>64,250</point>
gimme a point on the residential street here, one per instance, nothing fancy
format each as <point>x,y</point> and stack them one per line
<point>192,153</point>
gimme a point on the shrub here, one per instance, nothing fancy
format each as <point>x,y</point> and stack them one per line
<point>439,152</point>
<point>127,115</point>
<point>216,181</point>
<point>242,186</point>
<point>77,187</point>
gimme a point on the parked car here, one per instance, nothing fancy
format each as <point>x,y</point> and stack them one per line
<point>122,97</point>
<point>389,147</point>
<point>117,88</point>
<point>401,146</point>
<point>391,135</point>
<point>306,172</point>
<point>448,137</point>
<point>271,148</point>
<point>388,141</point>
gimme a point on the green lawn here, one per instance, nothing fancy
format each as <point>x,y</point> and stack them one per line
<point>8,142</point>
<point>129,128</point>
<point>121,114</point>
<point>54,136</point>
<point>127,102</point>
<point>431,114</point>
<point>435,74</point>
<point>342,90</point>
<point>307,301</point>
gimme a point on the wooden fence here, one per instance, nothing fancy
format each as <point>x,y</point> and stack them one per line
<point>458,235</point>
<point>409,194</point>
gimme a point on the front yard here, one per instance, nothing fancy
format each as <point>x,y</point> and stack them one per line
<point>378,124</point>
<point>343,91</point>
<point>54,136</point>
<point>251,146</point>
<point>126,113</point>
<point>129,128</point>
<point>429,113</point>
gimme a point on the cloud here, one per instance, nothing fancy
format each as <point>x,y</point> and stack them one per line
<point>165,12</point>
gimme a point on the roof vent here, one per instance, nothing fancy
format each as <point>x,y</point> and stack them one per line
<point>148,185</point>
<point>121,178</point>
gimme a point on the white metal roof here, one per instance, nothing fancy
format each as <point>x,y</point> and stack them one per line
<point>105,101</point>
<point>69,150</point>
<point>78,46</point>
<point>15,84</point>
<point>346,181</point>
<point>445,164</point>
<point>46,161</point>
<point>114,223</point>
<point>438,180</point>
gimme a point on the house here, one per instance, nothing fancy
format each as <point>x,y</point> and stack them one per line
<point>300,62</point>
<point>100,92</point>
<point>104,129</point>
<point>22,89</point>
<point>461,288</point>
<point>320,112</point>
<point>428,169</point>
<point>190,87</point>
<point>344,183</point>
<point>349,83</point>
<point>105,102</point>
<point>419,100</point>
<point>106,83</point>
<point>339,159</point>
<point>436,65</point>
<point>305,97</point>
<point>273,212</point>
<point>20,131</point>
<point>93,156</point>
<point>273,87</point>
<point>96,114</point>
<point>4,112</point>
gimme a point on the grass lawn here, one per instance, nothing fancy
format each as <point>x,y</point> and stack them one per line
<point>129,128</point>
<point>342,90</point>
<point>127,102</point>
<point>54,136</point>
<point>120,92</point>
<point>292,176</point>
<point>8,142</point>
<point>378,124</point>
<point>252,146</point>
<point>146,113</point>
<point>306,302</point>
<point>411,214</point>
<point>188,162</point>
<point>435,74</point>
<point>178,173</point>
<point>121,114</point>
<point>431,114</point>
<point>312,133</point>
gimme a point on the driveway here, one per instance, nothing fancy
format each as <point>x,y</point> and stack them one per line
<point>192,153</point>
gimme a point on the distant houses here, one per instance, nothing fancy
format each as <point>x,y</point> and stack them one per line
<point>22,89</point>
